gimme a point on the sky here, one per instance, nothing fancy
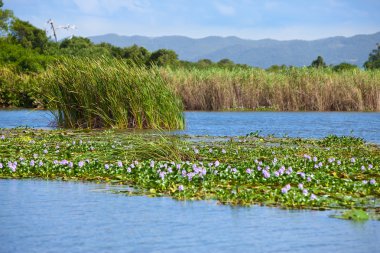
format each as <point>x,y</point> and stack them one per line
<point>249,19</point>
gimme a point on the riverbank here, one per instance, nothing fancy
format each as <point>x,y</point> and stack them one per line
<point>334,172</point>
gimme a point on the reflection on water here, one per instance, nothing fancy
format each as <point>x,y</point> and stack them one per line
<point>294,124</point>
<point>52,216</point>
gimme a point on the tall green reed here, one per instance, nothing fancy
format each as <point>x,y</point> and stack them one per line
<point>103,92</point>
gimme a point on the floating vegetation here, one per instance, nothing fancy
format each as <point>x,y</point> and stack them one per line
<point>354,214</point>
<point>285,172</point>
<point>99,93</point>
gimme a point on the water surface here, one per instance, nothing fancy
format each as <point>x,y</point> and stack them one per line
<point>294,124</point>
<point>53,216</point>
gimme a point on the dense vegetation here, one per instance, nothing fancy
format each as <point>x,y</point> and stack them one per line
<point>26,54</point>
<point>334,172</point>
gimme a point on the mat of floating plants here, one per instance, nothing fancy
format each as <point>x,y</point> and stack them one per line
<point>334,172</point>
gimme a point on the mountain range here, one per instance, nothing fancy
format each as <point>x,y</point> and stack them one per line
<point>260,53</point>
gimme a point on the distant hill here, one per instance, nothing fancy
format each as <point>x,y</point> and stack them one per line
<point>260,53</point>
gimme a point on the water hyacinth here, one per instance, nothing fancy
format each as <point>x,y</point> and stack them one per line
<point>243,179</point>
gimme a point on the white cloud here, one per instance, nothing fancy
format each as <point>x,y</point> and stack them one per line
<point>224,9</point>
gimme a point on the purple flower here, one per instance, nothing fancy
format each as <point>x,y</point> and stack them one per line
<point>353,160</point>
<point>170,170</point>
<point>302,174</point>
<point>234,170</point>
<point>307,157</point>
<point>129,170</point>
<point>184,173</point>
<point>274,160</point>
<point>181,188</point>
<point>313,197</point>
<point>305,192</point>
<point>308,179</point>
<point>276,174</point>
<point>151,164</point>
<point>216,163</point>
<point>12,166</point>
<point>31,163</point>
<point>339,162</point>
<point>196,151</point>
<point>370,166</point>
<point>289,171</point>
<point>178,166</point>
<point>284,190</point>
<point>162,175</point>
<point>266,174</point>
<point>300,186</point>
<point>248,171</point>
<point>55,162</point>
<point>71,164</point>
<point>2,137</point>
<point>320,164</point>
<point>365,182</point>
<point>81,164</point>
<point>64,162</point>
<point>362,168</point>
<point>45,151</point>
<point>331,160</point>
<point>372,181</point>
<point>119,164</point>
<point>40,163</point>
<point>106,166</point>
<point>315,159</point>
<point>1,165</point>
<point>223,151</point>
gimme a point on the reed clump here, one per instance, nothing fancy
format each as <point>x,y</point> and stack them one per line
<point>103,92</point>
<point>292,89</point>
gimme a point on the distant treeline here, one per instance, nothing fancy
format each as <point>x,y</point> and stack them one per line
<point>26,53</point>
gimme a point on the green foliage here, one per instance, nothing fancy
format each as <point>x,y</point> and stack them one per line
<point>106,92</point>
<point>83,47</point>
<point>344,66</point>
<point>225,63</point>
<point>164,57</point>
<point>27,35</point>
<point>140,55</point>
<point>355,215</point>
<point>373,59</point>
<point>5,18</point>
<point>318,63</point>
<point>22,59</point>
<point>18,90</point>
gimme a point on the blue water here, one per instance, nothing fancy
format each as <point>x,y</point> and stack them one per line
<point>52,216</point>
<point>294,124</point>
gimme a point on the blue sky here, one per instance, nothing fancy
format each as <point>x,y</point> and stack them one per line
<point>251,19</point>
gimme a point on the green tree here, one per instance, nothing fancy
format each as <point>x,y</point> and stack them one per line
<point>226,63</point>
<point>5,19</point>
<point>163,57</point>
<point>318,63</point>
<point>27,35</point>
<point>79,46</point>
<point>138,55</point>
<point>204,63</point>
<point>344,66</point>
<point>373,61</point>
